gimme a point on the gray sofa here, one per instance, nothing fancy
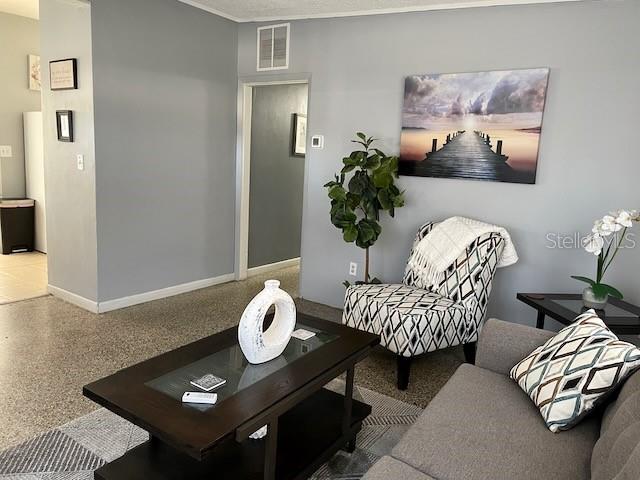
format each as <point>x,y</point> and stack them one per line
<point>482,426</point>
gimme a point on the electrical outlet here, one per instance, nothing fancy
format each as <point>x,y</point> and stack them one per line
<point>5,151</point>
<point>80,161</point>
<point>353,269</point>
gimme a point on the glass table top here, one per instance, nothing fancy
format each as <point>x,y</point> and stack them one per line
<point>231,364</point>
<point>610,311</point>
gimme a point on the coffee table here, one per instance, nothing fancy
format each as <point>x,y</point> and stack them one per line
<point>307,424</point>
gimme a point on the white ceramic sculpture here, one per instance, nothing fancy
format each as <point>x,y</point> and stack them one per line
<point>261,346</point>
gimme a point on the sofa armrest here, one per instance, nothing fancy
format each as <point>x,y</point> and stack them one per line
<point>503,344</point>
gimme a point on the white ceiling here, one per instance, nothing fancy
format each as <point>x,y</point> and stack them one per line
<point>24,8</point>
<point>267,10</point>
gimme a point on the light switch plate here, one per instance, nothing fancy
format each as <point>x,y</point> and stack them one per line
<point>5,151</point>
<point>80,161</point>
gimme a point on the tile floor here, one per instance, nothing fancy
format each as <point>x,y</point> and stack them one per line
<point>22,276</point>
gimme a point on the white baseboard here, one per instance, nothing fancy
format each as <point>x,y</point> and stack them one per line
<point>117,303</point>
<point>253,271</point>
<point>73,298</point>
<point>123,302</point>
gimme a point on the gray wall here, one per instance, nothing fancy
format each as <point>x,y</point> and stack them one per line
<point>165,83</point>
<point>277,177</point>
<point>588,160</point>
<point>19,37</point>
<point>70,193</point>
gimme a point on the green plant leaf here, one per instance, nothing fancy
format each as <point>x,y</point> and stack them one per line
<point>337,192</point>
<point>362,136</point>
<point>375,281</point>
<point>599,290</point>
<point>353,200</point>
<point>612,291</point>
<point>342,216</point>
<point>584,279</point>
<point>350,233</point>
<point>373,162</point>
<point>346,284</point>
<point>398,201</point>
<point>382,179</point>
<point>384,199</point>
<point>365,231</point>
<point>359,183</point>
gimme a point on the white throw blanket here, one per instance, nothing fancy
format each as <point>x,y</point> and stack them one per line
<point>447,240</point>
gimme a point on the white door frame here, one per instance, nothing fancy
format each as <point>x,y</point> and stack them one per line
<point>243,166</point>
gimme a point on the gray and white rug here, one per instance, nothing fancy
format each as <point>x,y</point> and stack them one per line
<point>73,451</point>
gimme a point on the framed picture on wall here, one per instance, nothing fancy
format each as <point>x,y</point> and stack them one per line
<point>64,125</point>
<point>34,72</point>
<point>299,135</point>
<point>479,125</point>
<point>63,74</point>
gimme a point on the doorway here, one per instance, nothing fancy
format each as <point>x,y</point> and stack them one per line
<point>23,261</point>
<point>272,167</point>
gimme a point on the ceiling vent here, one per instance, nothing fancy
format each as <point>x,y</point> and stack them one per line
<point>273,47</point>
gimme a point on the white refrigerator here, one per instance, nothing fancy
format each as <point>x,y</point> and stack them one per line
<point>34,170</point>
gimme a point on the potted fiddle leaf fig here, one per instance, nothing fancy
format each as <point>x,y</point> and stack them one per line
<point>363,189</point>
<point>606,239</point>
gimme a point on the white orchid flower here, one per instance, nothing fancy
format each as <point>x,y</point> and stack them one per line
<point>610,224</point>
<point>593,243</point>
<point>599,228</point>
<point>624,218</point>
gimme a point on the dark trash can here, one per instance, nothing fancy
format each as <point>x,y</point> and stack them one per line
<point>17,225</point>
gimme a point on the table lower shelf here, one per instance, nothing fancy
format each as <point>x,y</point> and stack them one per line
<point>308,435</point>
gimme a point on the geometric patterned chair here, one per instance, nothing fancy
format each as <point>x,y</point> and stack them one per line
<point>412,320</point>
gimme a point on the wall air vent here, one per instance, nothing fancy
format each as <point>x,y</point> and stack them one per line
<point>273,47</point>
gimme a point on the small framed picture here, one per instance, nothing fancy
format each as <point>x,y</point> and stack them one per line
<point>34,72</point>
<point>63,74</point>
<point>64,125</point>
<point>299,135</point>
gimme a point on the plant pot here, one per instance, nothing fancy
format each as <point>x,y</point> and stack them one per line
<point>591,300</point>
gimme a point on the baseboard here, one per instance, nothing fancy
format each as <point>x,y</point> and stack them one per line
<point>117,303</point>
<point>73,298</point>
<point>292,262</point>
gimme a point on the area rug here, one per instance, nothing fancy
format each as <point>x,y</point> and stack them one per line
<point>73,451</point>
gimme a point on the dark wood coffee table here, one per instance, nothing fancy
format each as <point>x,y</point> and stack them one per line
<point>307,424</point>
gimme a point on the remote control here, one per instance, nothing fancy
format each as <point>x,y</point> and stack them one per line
<point>200,397</point>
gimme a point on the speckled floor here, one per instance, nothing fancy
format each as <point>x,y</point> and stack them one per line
<point>49,349</point>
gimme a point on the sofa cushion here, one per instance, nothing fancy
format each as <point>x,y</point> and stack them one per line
<point>388,468</point>
<point>575,370</point>
<point>481,425</point>
<point>631,386</point>
<point>622,460</point>
<point>616,452</point>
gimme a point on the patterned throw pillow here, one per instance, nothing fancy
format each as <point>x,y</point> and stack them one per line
<point>575,370</point>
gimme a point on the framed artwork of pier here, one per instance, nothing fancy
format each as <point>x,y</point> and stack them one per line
<point>482,125</point>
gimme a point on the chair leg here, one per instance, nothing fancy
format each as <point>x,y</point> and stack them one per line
<point>470,352</point>
<point>404,369</point>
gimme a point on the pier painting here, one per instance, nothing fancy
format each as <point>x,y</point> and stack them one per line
<point>483,125</point>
